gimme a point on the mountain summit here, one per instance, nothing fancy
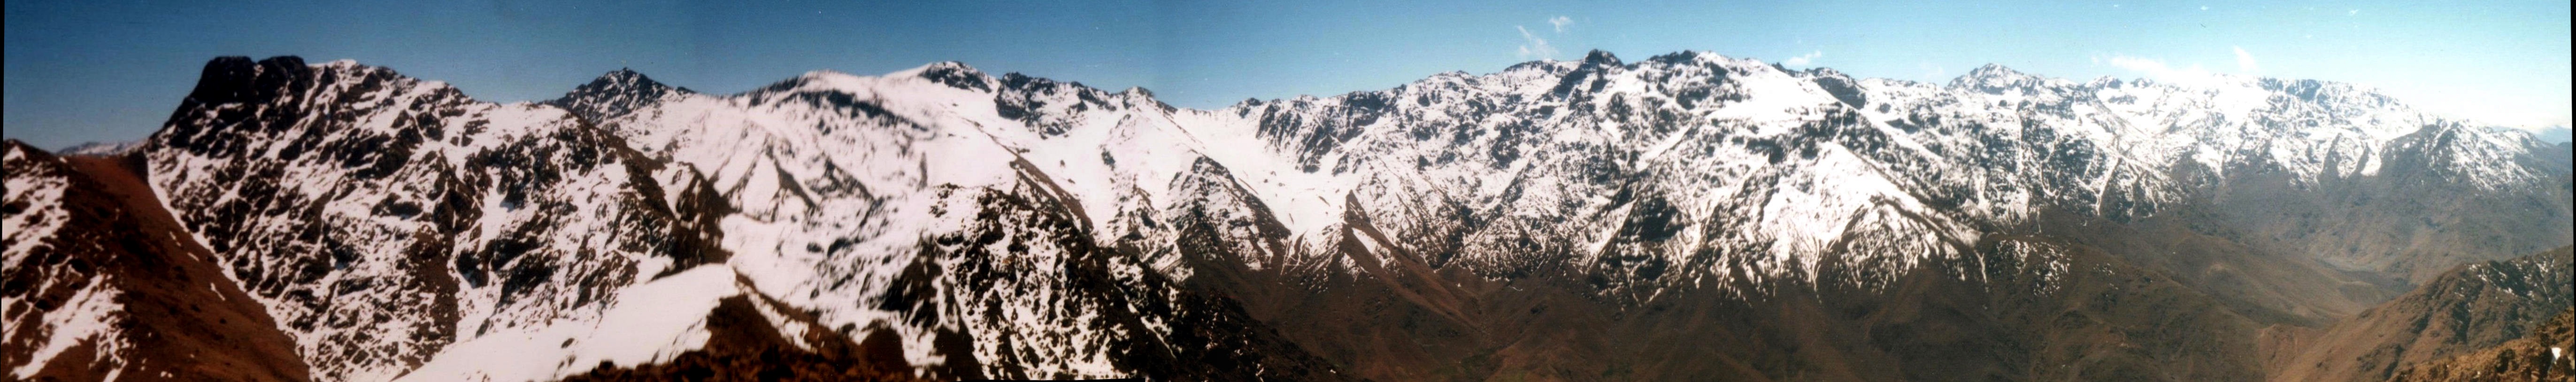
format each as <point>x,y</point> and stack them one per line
<point>616,92</point>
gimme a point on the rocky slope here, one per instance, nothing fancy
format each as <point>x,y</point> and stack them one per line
<point>104,284</point>
<point>2472,307</point>
<point>2539,356</point>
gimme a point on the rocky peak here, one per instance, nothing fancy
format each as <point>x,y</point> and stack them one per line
<point>1600,58</point>
<point>233,79</point>
<point>629,80</point>
<point>1994,70</point>
<point>624,82</point>
<point>1994,79</point>
<point>1840,85</point>
<point>957,75</point>
<point>614,93</point>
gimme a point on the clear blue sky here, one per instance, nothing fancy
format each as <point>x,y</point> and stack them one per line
<point>110,71</point>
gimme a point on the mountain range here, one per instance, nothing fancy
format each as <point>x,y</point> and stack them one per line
<point>1690,216</point>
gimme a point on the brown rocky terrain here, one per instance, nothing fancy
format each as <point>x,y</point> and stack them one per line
<point>2475,306</point>
<point>181,319</point>
<point>2029,308</point>
<point>2541,356</point>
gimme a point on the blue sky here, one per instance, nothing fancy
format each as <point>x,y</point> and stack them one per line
<point>81,71</point>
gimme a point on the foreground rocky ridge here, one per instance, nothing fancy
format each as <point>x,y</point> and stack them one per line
<point>2474,306</point>
<point>1591,220</point>
<point>104,284</point>
<point>2540,356</point>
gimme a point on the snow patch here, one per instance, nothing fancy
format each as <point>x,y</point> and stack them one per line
<point>649,323</point>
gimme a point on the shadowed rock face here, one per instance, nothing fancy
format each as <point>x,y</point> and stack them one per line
<point>238,79</point>
<point>1685,217</point>
<point>745,347</point>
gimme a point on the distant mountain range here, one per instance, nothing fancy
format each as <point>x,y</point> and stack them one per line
<point>2554,134</point>
<point>1685,217</point>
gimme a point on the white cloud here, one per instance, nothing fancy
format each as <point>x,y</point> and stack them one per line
<point>1533,46</point>
<point>1933,72</point>
<point>2528,109</point>
<point>2204,7</point>
<point>2352,12</point>
<point>1803,60</point>
<point>2245,61</point>
<point>1560,22</point>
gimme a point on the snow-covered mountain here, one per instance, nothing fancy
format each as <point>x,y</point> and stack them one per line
<point>941,222</point>
<point>100,148</point>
